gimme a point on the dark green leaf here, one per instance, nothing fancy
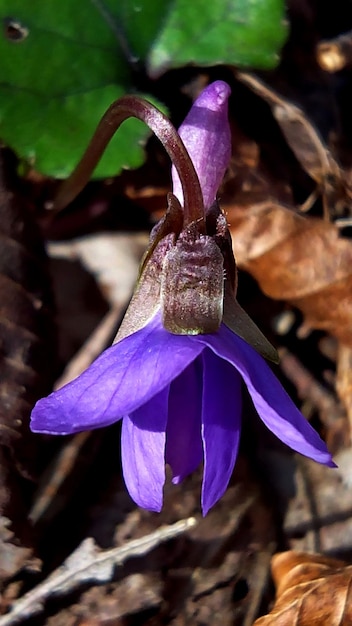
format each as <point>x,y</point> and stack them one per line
<point>63,63</point>
<point>235,32</point>
<point>61,66</point>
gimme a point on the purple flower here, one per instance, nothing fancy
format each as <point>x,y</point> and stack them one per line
<point>180,399</point>
<point>179,395</point>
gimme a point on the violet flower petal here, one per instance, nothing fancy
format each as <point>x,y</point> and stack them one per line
<point>184,450</point>
<point>221,428</point>
<point>206,135</point>
<point>274,406</point>
<point>143,451</point>
<point>122,379</point>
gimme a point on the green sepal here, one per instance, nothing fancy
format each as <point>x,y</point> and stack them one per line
<point>237,320</point>
<point>145,300</point>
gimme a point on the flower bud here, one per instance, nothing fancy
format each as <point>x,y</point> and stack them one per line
<point>207,137</point>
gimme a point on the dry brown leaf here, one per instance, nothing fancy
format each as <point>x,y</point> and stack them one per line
<point>344,378</point>
<point>301,260</point>
<point>310,590</point>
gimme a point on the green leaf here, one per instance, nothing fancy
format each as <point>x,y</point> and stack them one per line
<point>61,66</point>
<point>141,21</point>
<point>208,32</point>
<point>62,63</point>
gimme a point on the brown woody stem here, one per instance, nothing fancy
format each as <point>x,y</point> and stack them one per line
<point>118,112</point>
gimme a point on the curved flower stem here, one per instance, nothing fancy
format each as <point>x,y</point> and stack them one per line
<point>118,112</point>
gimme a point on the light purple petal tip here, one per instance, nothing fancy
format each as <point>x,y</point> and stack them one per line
<point>221,428</point>
<point>122,379</point>
<point>207,137</point>
<point>274,406</point>
<point>143,450</point>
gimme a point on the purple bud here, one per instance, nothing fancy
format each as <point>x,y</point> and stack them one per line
<point>206,135</point>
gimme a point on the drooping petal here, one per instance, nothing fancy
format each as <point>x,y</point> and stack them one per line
<point>184,451</point>
<point>221,426</point>
<point>273,404</point>
<point>206,135</point>
<point>143,449</point>
<point>122,379</point>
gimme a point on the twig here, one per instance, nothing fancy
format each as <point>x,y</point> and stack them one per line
<point>89,564</point>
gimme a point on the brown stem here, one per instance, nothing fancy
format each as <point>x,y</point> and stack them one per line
<point>118,112</point>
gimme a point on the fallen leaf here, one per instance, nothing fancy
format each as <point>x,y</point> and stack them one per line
<point>302,260</point>
<point>344,378</point>
<point>310,589</point>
